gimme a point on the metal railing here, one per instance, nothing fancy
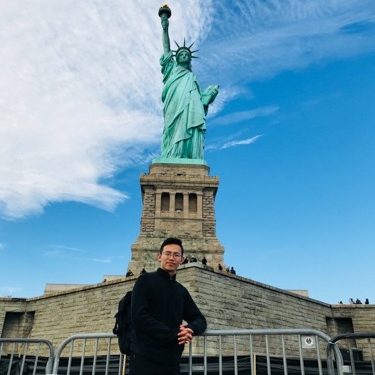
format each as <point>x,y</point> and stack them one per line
<point>357,351</point>
<point>255,352</point>
<point>265,352</point>
<point>18,356</point>
<point>104,355</point>
<point>223,352</point>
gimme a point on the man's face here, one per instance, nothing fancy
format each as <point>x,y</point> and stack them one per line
<point>170,258</point>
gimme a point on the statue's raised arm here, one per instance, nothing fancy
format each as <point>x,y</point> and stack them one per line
<point>185,106</point>
<point>165,13</point>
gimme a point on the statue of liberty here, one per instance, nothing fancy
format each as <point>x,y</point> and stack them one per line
<point>185,106</point>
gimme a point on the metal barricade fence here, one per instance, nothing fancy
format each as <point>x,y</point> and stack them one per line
<point>91,353</point>
<point>263,352</point>
<point>358,350</point>
<point>235,352</point>
<point>20,356</point>
<point>255,352</point>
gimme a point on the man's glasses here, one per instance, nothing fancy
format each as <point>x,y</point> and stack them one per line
<point>168,254</point>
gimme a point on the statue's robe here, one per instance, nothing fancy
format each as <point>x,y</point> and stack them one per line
<point>184,112</point>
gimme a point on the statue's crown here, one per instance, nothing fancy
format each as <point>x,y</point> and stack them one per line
<point>185,48</point>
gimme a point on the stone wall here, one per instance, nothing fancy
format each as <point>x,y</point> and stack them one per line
<point>362,316</point>
<point>58,316</point>
<point>228,302</point>
<point>234,302</point>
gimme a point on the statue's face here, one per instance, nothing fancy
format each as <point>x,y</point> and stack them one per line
<point>184,57</point>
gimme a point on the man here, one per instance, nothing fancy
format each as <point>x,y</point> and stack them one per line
<point>185,106</point>
<point>160,305</point>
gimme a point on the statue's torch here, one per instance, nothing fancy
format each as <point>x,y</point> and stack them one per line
<point>165,11</point>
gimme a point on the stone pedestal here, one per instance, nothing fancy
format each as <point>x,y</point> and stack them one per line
<point>178,201</point>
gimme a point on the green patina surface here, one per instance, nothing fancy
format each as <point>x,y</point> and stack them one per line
<point>185,105</point>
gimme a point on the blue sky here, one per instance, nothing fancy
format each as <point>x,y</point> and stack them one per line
<point>291,136</point>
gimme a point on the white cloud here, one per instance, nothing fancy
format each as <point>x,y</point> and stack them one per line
<point>80,86</point>
<point>220,145</point>
<point>61,251</point>
<point>242,142</point>
<point>241,116</point>
<point>105,260</point>
<point>80,82</point>
<point>268,37</point>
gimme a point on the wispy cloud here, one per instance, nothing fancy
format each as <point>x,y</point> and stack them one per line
<point>81,90</point>
<point>61,251</point>
<point>242,142</point>
<point>268,37</point>
<point>81,82</point>
<point>76,254</point>
<point>105,260</point>
<point>233,143</point>
<point>241,116</point>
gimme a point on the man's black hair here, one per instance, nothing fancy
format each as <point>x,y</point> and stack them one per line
<point>170,241</point>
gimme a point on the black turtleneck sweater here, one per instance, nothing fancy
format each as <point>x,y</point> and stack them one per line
<point>159,305</point>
